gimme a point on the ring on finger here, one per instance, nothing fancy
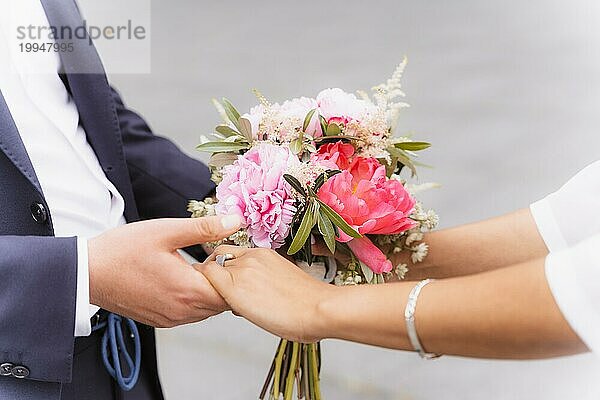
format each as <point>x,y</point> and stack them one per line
<point>221,258</point>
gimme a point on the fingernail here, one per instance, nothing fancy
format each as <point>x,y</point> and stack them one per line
<point>230,221</point>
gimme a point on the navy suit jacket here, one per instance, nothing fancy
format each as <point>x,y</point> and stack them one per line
<point>38,272</point>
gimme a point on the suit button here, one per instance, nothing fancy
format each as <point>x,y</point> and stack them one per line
<point>39,213</point>
<point>6,369</point>
<point>20,372</point>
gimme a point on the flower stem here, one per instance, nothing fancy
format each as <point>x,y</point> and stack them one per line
<point>305,373</point>
<point>315,371</point>
<point>277,372</point>
<point>291,376</point>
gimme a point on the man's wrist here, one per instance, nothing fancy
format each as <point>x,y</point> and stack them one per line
<point>94,277</point>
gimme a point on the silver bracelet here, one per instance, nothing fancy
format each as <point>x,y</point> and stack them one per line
<point>409,317</point>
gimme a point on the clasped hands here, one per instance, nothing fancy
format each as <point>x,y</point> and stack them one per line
<point>136,271</point>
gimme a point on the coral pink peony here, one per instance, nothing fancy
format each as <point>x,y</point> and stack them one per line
<point>334,155</point>
<point>370,203</point>
<point>253,187</point>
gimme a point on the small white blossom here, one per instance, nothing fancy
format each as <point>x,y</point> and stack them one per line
<point>200,209</point>
<point>419,252</point>
<point>413,237</point>
<point>339,279</point>
<point>241,238</point>
<point>401,271</point>
<point>431,220</point>
<point>350,281</point>
<point>306,174</point>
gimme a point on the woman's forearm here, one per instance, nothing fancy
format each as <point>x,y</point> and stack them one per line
<point>506,313</point>
<point>482,246</point>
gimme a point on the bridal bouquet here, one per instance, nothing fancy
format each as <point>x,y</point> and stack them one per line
<point>319,170</point>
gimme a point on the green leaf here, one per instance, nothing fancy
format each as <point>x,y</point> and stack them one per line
<point>231,113</point>
<point>407,162</point>
<point>220,147</point>
<point>323,122</point>
<point>391,167</point>
<point>403,158</point>
<point>333,129</point>
<point>295,183</point>
<point>326,229</point>
<point>338,220</point>
<point>321,179</point>
<point>367,272</point>
<point>296,146</point>
<point>412,146</point>
<point>246,128</point>
<point>307,249</point>
<point>226,130</point>
<point>308,221</point>
<point>307,119</point>
<point>219,160</point>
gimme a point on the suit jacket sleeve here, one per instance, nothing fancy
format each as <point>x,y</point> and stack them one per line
<point>39,277</point>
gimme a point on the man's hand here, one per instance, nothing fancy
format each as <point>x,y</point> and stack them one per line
<point>135,270</point>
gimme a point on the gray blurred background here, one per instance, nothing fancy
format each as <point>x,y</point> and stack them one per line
<point>508,93</point>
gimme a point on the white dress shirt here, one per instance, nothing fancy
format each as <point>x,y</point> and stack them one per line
<point>569,222</point>
<point>81,200</point>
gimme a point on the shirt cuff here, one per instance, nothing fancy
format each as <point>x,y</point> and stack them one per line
<point>572,276</point>
<point>83,326</point>
<point>547,225</point>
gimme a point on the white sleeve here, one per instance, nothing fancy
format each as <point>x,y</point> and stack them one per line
<point>572,213</point>
<point>83,309</point>
<point>574,279</point>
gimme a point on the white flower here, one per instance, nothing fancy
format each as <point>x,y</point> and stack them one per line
<point>342,106</point>
<point>386,95</point>
<point>293,113</point>
<point>419,252</point>
<point>401,271</point>
<point>241,238</point>
<point>431,220</point>
<point>306,174</point>
<point>202,208</point>
<point>282,122</point>
<point>339,279</point>
<point>413,237</point>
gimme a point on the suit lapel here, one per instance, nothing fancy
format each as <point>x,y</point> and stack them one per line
<point>93,96</point>
<point>12,145</point>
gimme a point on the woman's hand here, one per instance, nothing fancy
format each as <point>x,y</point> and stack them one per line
<point>270,291</point>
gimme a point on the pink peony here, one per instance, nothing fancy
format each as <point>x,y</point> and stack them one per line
<point>339,107</point>
<point>334,155</point>
<point>253,187</point>
<point>370,203</point>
